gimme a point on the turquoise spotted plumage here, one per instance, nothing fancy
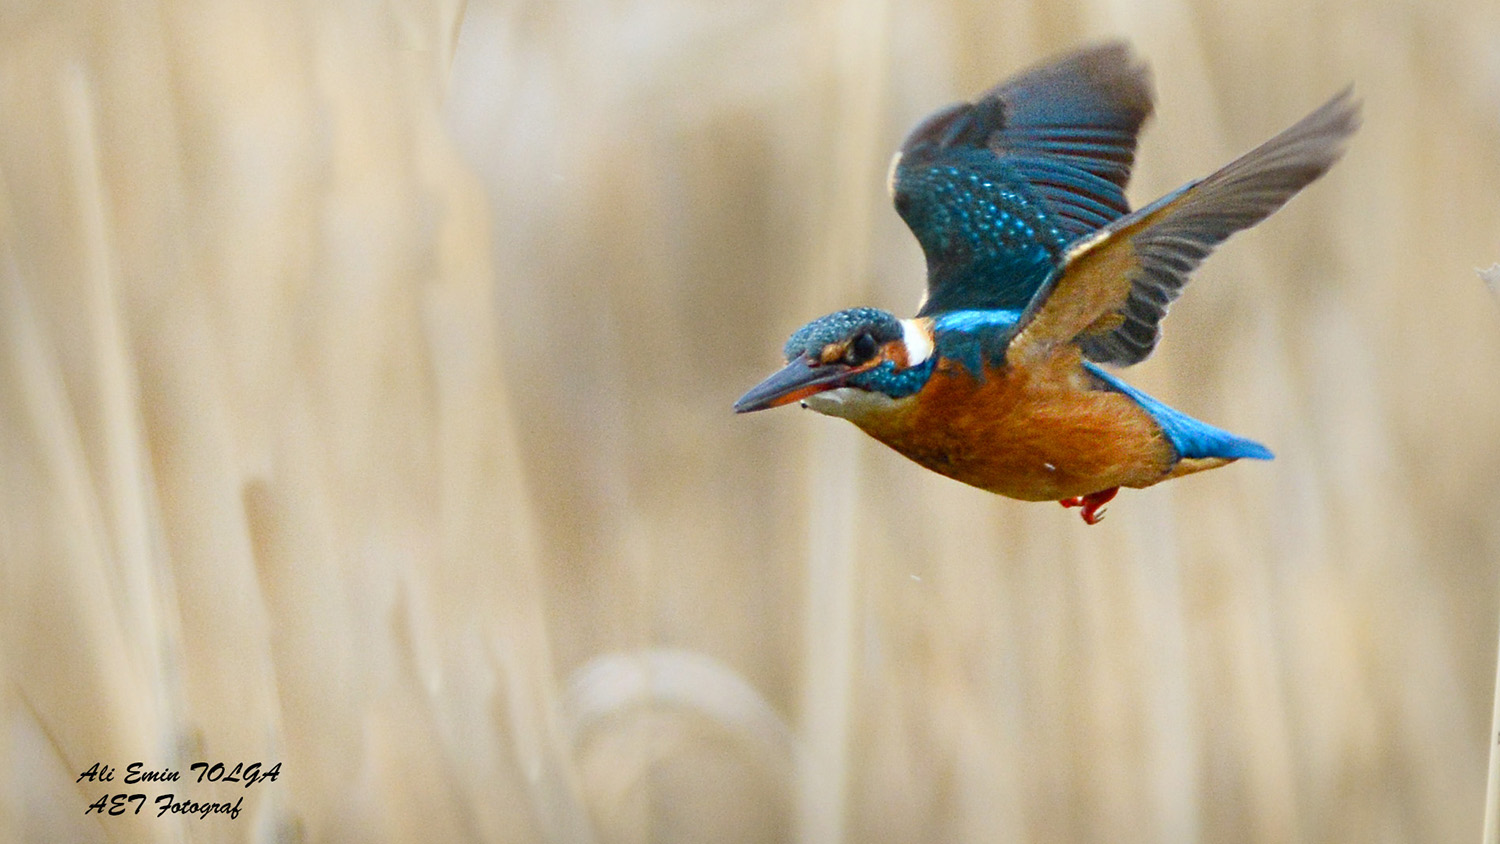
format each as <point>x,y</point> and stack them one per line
<point>996,189</point>
<point>985,225</point>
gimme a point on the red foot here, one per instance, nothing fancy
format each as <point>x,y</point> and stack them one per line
<point>1092,504</point>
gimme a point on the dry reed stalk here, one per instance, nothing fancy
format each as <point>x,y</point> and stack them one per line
<point>1491,833</point>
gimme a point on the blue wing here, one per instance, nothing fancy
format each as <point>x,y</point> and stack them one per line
<point>996,189</point>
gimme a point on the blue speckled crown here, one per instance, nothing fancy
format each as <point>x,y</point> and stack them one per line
<point>811,338</point>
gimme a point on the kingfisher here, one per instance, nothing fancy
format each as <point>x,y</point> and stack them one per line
<point>1038,275</point>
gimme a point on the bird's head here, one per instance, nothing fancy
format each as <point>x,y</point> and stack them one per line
<point>845,362</point>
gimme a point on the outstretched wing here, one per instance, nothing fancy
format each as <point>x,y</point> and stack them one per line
<point>994,190</point>
<point>1114,285</point>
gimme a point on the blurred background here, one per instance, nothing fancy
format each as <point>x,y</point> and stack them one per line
<point>365,384</point>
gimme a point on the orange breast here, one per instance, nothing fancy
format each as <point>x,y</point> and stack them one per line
<point>1037,435</point>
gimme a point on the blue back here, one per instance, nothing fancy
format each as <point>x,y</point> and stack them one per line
<point>974,338</point>
<point>1190,437</point>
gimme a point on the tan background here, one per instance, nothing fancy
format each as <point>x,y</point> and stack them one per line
<point>365,374</point>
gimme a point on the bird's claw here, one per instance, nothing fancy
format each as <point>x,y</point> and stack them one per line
<point>1092,504</point>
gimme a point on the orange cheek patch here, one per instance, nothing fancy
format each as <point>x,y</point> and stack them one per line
<point>895,353</point>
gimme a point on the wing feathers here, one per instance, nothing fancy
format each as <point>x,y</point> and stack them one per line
<point>1138,264</point>
<point>1043,157</point>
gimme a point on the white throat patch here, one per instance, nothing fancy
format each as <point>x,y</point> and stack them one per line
<point>850,403</point>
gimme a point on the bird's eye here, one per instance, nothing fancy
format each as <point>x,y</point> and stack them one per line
<point>861,349</point>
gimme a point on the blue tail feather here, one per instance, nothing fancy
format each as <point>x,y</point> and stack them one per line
<point>1190,437</point>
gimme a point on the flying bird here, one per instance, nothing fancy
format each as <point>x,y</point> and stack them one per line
<point>1038,272</point>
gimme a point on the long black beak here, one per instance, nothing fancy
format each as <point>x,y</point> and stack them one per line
<point>797,380</point>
